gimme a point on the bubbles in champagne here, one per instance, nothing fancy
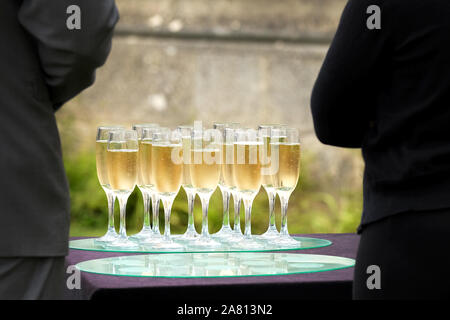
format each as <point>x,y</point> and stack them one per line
<point>289,166</point>
<point>247,167</point>
<point>100,156</point>
<point>166,174</point>
<point>122,169</point>
<point>205,174</point>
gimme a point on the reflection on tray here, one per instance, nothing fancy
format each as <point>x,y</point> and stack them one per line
<point>232,264</point>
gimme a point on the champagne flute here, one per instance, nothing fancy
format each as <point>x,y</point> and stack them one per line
<point>205,174</point>
<point>285,147</point>
<point>167,175</point>
<point>228,158</point>
<point>102,174</point>
<point>149,185</point>
<point>153,194</point>
<point>248,178</point>
<point>268,171</point>
<point>122,153</point>
<point>143,166</point>
<point>226,231</point>
<point>190,234</point>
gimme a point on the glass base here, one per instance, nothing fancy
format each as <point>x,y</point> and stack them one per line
<point>122,243</point>
<point>189,236</point>
<point>286,241</point>
<point>196,265</point>
<point>168,245</point>
<point>270,234</point>
<point>206,243</point>
<point>223,234</point>
<point>237,232</point>
<point>152,240</point>
<point>235,238</point>
<point>248,244</point>
<point>143,235</point>
<point>110,236</point>
<point>156,230</point>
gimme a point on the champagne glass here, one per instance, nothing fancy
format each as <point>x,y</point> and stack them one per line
<point>167,176</point>
<point>102,174</point>
<point>268,171</point>
<point>190,234</point>
<point>248,178</point>
<point>153,194</point>
<point>228,158</point>
<point>225,232</point>
<point>205,174</point>
<point>149,185</point>
<point>122,153</point>
<point>285,147</point>
<point>143,176</point>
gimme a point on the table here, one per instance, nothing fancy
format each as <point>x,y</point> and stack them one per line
<point>335,284</point>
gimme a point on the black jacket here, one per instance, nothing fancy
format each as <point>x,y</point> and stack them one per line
<point>387,91</point>
<point>43,64</point>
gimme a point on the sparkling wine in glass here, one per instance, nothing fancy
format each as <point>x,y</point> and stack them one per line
<point>225,186</point>
<point>146,232</point>
<point>228,181</point>
<point>122,154</point>
<point>102,174</point>
<point>269,169</point>
<point>205,173</point>
<point>167,176</point>
<point>285,147</point>
<point>190,234</point>
<point>248,178</point>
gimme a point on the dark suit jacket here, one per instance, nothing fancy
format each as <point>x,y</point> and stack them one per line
<point>387,91</point>
<point>43,64</point>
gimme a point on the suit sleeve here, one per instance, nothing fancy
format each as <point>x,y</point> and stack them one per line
<point>69,58</point>
<point>342,97</point>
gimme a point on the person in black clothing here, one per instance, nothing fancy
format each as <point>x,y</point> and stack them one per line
<point>387,91</point>
<point>43,64</point>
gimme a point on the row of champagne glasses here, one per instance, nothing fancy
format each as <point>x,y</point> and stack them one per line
<point>159,161</point>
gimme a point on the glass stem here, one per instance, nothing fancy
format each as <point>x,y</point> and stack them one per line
<point>284,199</point>
<point>191,200</point>
<point>146,198</point>
<point>272,196</point>
<point>226,209</point>
<point>205,205</point>
<point>123,210</point>
<point>155,210</point>
<point>237,208</point>
<point>248,218</point>
<point>167,203</point>
<point>111,199</point>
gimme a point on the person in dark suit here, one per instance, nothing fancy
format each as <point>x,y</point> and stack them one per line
<point>385,87</point>
<point>43,64</point>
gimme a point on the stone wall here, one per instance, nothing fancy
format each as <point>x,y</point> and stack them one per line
<point>264,17</point>
<point>176,80</point>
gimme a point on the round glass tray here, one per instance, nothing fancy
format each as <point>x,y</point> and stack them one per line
<point>303,243</point>
<point>194,265</point>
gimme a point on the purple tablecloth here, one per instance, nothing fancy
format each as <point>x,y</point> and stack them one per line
<point>322,285</point>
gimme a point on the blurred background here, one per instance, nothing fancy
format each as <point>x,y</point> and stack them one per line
<point>247,61</point>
